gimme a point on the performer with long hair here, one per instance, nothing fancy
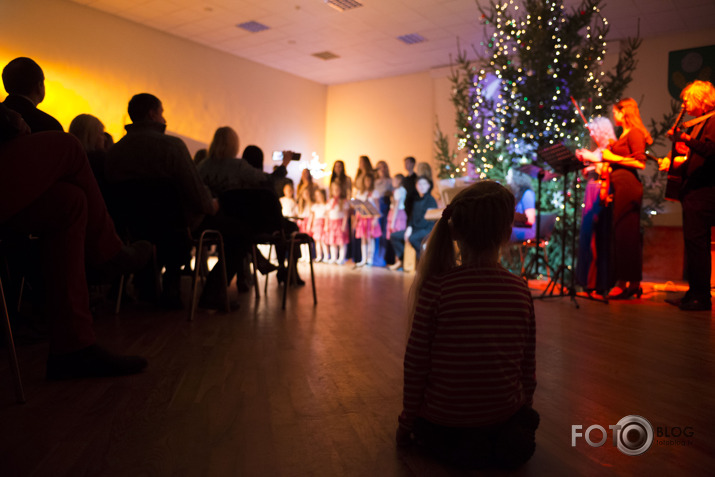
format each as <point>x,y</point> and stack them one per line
<point>594,252</point>
<point>698,192</point>
<point>625,157</point>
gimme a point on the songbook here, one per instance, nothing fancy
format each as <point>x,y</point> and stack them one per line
<point>364,208</point>
<point>561,159</point>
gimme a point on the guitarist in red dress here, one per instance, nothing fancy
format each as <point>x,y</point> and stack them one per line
<point>697,194</point>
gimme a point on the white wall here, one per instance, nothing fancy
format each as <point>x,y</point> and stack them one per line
<point>386,119</point>
<point>95,62</point>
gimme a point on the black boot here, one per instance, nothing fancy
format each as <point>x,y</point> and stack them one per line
<point>92,362</point>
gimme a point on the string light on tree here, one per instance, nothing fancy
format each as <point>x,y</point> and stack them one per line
<point>517,99</point>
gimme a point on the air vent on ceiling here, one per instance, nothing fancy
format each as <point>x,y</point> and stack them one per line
<point>326,55</point>
<point>412,38</point>
<point>253,27</point>
<point>343,5</point>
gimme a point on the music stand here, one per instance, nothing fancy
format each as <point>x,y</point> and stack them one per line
<point>563,161</point>
<point>541,175</point>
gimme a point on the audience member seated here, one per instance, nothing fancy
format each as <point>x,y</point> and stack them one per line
<point>24,82</point>
<point>222,170</point>
<point>525,213</point>
<point>417,226</point>
<point>47,189</point>
<point>147,153</point>
<point>90,132</point>
<point>200,156</point>
<point>254,156</point>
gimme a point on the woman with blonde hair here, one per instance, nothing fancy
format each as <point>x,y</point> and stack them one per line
<point>364,167</point>
<point>423,169</point>
<point>90,132</point>
<point>625,157</point>
<point>222,170</point>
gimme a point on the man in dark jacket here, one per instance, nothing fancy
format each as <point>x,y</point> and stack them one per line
<point>147,154</point>
<point>24,82</point>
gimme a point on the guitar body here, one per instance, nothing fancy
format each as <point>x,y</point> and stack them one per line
<point>605,180</point>
<point>675,181</point>
<point>675,173</point>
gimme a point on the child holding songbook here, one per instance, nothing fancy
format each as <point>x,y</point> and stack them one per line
<point>303,210</point>
<point>469,369</point>
<point>397,218</point>
<point>318,214</point>
<point>337,235</point>
<point>367,229</point>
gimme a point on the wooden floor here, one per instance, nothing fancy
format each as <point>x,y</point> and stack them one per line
<point>316,390</point>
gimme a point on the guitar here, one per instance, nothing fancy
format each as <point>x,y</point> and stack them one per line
<point>603,168</point>
<point>675,173</point>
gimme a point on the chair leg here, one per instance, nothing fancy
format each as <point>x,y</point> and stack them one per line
<point>19,391</point>
<point>224,278</point>
<point>289,275</point>
<point>119,294</point>
<point>311,252</point>
<point>265,283</point>
<point>195,279</point>
<point>255,271</point>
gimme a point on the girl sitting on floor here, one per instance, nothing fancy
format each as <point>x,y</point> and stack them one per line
<point>469,371</point>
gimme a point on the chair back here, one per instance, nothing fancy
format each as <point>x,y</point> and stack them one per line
<point>546,229</point>
<point>146,209</point>
<point>259,209</point>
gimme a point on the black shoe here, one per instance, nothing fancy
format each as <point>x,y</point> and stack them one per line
<point>283,273</point>
<point>696,304</point>
<point>130,259</point>
<point>264,266</point>
<point>674,301</point>
<point>92,362</point>
<point>627,294</point>
<point>680,300</point>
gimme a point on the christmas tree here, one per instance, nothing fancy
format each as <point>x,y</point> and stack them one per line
<point>518,97</point>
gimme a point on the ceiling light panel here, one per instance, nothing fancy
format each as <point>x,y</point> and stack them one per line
<point>343,5</point>
<point>412,38</point>
<point>252,26</point>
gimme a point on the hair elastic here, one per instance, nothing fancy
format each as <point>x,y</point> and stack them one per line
<point>447,212</point>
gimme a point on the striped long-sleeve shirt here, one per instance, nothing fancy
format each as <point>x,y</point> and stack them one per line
<point>470,359</point>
